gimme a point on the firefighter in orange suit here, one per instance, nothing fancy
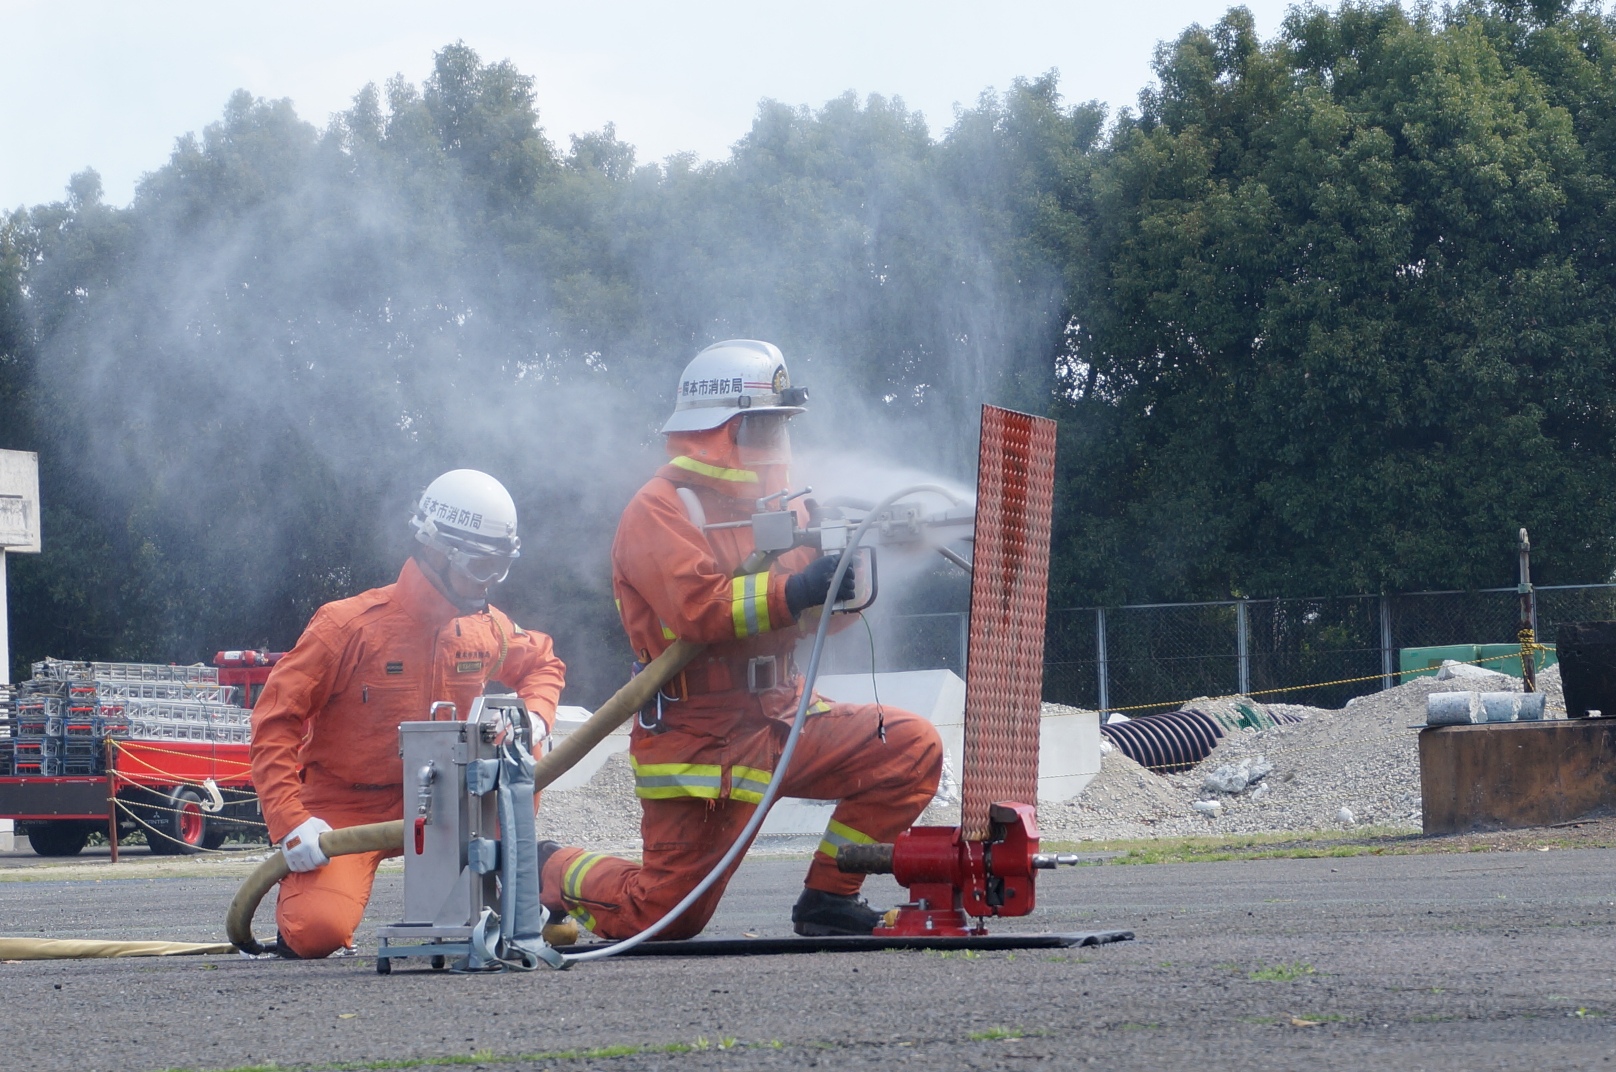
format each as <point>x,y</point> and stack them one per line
<point>325,729</point>
<point>703,754</point>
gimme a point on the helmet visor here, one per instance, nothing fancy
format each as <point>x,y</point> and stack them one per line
<point>763,439</point>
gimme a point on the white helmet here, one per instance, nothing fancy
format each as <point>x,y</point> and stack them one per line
<point>731,378</point>
<point>471,518</point>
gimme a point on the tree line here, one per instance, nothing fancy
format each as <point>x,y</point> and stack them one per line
<point>1327,313</point>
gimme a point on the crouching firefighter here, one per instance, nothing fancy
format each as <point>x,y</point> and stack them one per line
<point>325,730</point>
<point>704,752</point>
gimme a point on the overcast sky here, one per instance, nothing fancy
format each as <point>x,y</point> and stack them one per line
<point>111,85</point>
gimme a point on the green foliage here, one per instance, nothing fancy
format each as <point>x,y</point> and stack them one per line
<point>1346,325</point>
<point>239,383</point>
<point>1329,313</point>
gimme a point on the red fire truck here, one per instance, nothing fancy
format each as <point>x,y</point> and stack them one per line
<point>120,748</point>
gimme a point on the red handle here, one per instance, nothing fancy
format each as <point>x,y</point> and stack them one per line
<point>420,834</point>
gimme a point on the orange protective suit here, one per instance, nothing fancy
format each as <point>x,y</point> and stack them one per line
<point>325,729</point>
<point>702,766</point>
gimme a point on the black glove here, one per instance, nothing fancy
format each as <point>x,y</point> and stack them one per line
<point>809,588</point>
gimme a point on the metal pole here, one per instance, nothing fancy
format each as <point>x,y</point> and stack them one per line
<point>7,827</point>
<point>1387,670</point>
<point>1528,628</point>
<point>1102,670</point>
<point>1242,633</point>
<point>112,797</point>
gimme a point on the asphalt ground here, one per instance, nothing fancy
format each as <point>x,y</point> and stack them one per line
<point>1447,961</point>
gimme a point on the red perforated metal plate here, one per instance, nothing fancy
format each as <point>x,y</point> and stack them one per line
<point>1015,493</point>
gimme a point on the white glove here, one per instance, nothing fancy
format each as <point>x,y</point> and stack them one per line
<point>302,846</point>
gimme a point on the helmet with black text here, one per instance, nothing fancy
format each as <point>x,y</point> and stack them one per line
<point>740,378</point>
<point>469,517</point>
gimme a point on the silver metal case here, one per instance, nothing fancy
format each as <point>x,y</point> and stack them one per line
<point>451,834</point>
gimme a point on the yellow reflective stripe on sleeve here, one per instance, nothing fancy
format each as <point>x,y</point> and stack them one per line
<point>839,834</point>
<point>749,604</point>
<point>748,784</point>
<point>739,476</point>
<point>819,707</point>
<point>668,634</point>
<point>737,604</point>
<point>666,781</point>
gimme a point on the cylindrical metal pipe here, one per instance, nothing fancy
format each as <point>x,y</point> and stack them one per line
<point>864,859</point>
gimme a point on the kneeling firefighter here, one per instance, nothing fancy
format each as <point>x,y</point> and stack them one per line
<point>325,730</point>
<point>705,751</point>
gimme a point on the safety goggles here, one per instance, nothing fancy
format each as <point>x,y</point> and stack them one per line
<point>482,564</point>
<point>482,568</point>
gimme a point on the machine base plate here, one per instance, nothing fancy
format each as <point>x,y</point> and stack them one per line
<point>854,943</point>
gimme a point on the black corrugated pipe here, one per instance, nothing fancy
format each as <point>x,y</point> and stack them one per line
<point>1167,742</point>
<point>1172,740</point>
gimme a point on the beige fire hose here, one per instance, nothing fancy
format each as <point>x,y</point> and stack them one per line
<point>86,948</point>
<point>379,837</point>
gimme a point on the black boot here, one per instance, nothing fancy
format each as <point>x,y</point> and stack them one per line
<point>818,914</point>
<point>547,849</point>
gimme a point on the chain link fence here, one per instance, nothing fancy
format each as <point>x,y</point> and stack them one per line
<point>1321,652</point>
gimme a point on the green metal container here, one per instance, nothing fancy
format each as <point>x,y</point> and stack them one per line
<point>1424,662</point>
<point>1512,664</point>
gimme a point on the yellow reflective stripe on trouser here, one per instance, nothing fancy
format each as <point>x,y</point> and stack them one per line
<point>665,781</point>
<point>739,476</point>
<point>839,834</point>
<point>749,604</point>
<point>572,880</point>
<point>748,784</point>
<point>572,887</point>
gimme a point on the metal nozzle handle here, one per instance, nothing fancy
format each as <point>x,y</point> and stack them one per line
<point>1048,861</point>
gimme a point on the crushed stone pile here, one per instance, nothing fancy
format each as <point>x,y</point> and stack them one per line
<point>603,816</point>
<point>1355,766</point>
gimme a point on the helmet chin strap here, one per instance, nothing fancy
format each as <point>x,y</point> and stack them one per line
<point>440,581</point>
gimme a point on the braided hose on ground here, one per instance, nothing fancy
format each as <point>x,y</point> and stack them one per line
<point>375,837</point>
<point>381,837</point>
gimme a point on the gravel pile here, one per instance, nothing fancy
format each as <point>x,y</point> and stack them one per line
<point>1355,766</point>
<point>603,815</point>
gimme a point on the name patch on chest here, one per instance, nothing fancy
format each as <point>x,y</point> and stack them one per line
<point>395,668</point>
<point>468,666</point>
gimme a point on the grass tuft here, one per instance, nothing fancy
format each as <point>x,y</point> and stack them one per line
<point>1282,973</point>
